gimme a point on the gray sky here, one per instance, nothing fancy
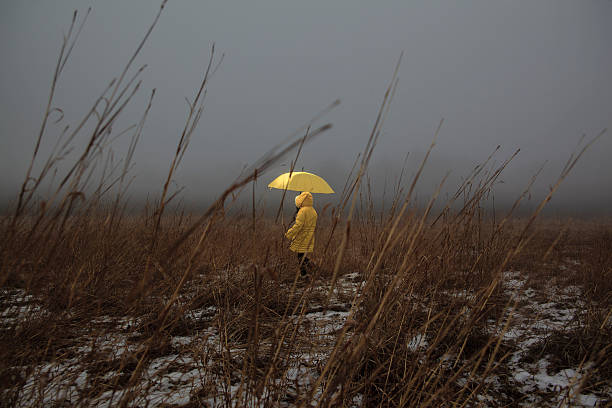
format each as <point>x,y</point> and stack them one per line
<point>528,74</point>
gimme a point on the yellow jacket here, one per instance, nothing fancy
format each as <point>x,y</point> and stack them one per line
<point>301,233</point>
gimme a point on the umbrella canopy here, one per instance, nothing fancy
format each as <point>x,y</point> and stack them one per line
<point>301,181</point>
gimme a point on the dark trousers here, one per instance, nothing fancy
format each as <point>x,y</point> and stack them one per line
<point>304,264</point>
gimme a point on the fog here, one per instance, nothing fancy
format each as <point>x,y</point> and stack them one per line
<point>528,75</point>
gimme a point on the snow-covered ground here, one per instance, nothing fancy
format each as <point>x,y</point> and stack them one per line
<point>174,378</point>
<point>536,317</point>
<point>182,374</point>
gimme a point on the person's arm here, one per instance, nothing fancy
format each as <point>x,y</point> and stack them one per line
<point>299,223</point>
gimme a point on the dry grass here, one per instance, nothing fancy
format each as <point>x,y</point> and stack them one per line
<point>90,288</point>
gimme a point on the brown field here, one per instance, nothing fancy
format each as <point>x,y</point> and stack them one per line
<point>92,315</point>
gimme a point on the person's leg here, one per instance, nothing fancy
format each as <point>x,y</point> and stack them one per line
<point>303,260</point>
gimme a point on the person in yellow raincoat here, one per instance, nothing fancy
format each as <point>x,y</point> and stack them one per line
<point>301,233</point>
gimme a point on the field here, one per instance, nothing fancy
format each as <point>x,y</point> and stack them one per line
<point>443,305</point>
<point>95,318</point>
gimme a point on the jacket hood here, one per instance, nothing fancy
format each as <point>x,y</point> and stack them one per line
<point>304,200</point>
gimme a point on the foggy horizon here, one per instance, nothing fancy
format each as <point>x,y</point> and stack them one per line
<point>521,75</point>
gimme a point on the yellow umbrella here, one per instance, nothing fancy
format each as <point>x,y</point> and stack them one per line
<point>301,181</point>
